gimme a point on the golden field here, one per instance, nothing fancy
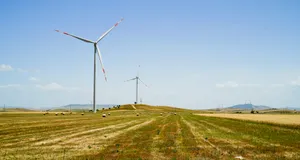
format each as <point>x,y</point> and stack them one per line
<point>273,118</point>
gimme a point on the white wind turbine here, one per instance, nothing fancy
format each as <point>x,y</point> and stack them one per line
<point>137,79</point>
<point>96,50</point>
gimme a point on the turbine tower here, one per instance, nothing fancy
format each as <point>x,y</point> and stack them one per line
<point>137,79</point>
<point>96,50</point>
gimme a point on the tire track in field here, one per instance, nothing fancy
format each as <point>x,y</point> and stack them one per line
<point>168,143</point>
<point>225,143</point>
<point>29,128</point>
<point>217,126</point>
<point>134,144</point>
<point>237,143</point>
<point>156,139</point>
<point>52,122</point>
<point>224,146</point>
<point>243,140</point>
<point>103,143</point>
<point>202,126</point>
<point>83,129</point>
<point>82,146</point>
<point>110,133</point>
<point>42,123</point>
<point>192,129</point>
<point>46,133</point>
<point>55,140</point>
<point>199,137</point>
<point>178,138</point>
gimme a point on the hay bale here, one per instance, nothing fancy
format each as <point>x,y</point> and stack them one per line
<point>82,114</point>
<point>161,114</point>
<point>137,115</point>
<point>56,114</point>
<point>109,114</point>
<point>103,115</point>
<point>174,113</point>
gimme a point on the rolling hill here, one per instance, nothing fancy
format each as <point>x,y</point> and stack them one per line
<point>146,107</point>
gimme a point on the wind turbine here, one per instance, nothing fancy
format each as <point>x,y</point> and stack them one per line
<point>96,50</point>
<point>137,79</point>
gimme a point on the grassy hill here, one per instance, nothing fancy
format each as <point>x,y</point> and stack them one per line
<point>152,108</point>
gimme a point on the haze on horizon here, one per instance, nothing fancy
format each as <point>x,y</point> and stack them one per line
<point>193,54</point>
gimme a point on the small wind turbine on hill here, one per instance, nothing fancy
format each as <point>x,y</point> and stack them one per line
<point>137,79</point>
<point>96,50</point>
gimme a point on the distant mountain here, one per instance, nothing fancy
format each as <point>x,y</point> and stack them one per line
<point>249,107</point>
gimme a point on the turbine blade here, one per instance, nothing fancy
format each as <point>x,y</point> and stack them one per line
<point>82,39</point>
<point>144,83</point>
<point>103,35</point>
<point>130,79</point>
<point>100,58</point>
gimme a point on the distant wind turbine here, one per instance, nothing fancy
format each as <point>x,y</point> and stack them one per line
<point>137,79</point>
<point>96,50</point>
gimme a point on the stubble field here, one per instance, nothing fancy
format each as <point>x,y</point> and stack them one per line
<point>124,135</point>
<point>271,118</point>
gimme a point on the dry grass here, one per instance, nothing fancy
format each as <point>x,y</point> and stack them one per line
<point>123,135</point>
<point>276,118</point>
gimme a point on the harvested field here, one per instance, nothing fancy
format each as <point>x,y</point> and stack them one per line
<point>273,118</point>
<point>123,135</point>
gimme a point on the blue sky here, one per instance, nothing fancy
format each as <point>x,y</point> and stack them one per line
<point>193,54</point>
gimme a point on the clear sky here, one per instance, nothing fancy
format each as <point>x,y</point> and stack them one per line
<point>193,54</point>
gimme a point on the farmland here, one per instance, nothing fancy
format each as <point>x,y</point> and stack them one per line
<point>276,118</point>
<point>124,135</point>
